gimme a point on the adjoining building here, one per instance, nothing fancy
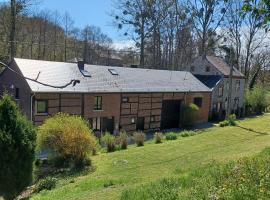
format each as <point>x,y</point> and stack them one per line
<point>214,72</point>
<point>111,98</point>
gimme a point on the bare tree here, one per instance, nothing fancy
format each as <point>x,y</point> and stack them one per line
<point>68,25</point>
<point>208,15</point>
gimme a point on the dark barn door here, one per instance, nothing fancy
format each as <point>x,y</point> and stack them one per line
<point>140,123</point>
<point>170,114</point>
<point>108,124</point>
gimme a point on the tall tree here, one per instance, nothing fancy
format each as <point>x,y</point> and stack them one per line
<point>135,14</point>
<point>208,16</point>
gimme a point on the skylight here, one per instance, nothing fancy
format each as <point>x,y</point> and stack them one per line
<point>113,71</point>
<point>85,73</point>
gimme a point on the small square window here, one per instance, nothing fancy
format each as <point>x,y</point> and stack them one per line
<point>42,107</point>
<point>98,103</point>
<point>198,101</point>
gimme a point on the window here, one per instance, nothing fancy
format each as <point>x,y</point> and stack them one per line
<point>98,103</point>
<point>17,93</point>
<point>96,124</point>
<point>220,91</point>
<point>237,86</point>
<point>41,106</point>
<point>113,71</point>
<point>192,68</point>
<point>207,69</point>
<point>125,99</point>
<point>198,101</point>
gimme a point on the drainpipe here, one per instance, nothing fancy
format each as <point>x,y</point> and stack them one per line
<point>31,107</point>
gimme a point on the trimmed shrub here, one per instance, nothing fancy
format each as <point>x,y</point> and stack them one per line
<point>68,137</point>
<point>110,142</point>
<point>186,133</point>
<point>190,115</point>
<point>171,136</point>
<point>123,139</point>
<point>47,183</point>
<point>224,123</point>
<point>232,120</point>
<point>139,138</point>
<point>158,137</point>
<point>17,149</point>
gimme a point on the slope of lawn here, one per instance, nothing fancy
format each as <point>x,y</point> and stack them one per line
<point>127,169</point>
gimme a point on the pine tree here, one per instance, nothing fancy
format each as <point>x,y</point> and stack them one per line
<point>17,149</point>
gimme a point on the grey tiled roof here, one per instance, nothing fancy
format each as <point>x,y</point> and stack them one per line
<point>222,66</point>
<point>101,80</point>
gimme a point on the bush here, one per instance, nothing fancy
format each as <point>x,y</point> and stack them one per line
<point>108,184</point>
<point>223,123</point>
<point>232,120</point>
<point>139,138</point>
<point>158,137</point>
<point>186,133</point>
<point>68,137</point>
<point>109,141</point>
<point>123,139</point>
<point>47,183</point>
<point>256,100</point>
<point>17,149</point>
<point>190,115</point>
<point>171,136</point>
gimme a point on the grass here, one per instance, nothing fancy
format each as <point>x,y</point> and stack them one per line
<point>130,168</point>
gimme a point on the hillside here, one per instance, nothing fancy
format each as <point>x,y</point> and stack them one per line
<point>138,165</point>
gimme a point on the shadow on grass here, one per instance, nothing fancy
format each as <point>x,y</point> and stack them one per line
<point>252,130</point>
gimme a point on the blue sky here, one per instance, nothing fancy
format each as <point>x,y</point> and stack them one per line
<point>83,12</point>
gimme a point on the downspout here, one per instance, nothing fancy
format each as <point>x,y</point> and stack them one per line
<point>31,107</point>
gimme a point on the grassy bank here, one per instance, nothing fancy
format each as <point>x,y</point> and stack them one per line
<point>127,169</point>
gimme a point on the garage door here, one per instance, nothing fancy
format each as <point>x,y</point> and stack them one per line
<point>170,115</point>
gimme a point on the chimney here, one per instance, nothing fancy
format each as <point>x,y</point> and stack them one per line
<point>80,64</point>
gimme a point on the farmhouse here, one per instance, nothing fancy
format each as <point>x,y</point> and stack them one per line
<point>214,72</point>
<point>111,98</point>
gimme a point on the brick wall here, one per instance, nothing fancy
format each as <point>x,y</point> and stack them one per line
<point>149,106</point>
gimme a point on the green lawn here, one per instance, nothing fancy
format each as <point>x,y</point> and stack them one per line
<point>155,161</point>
